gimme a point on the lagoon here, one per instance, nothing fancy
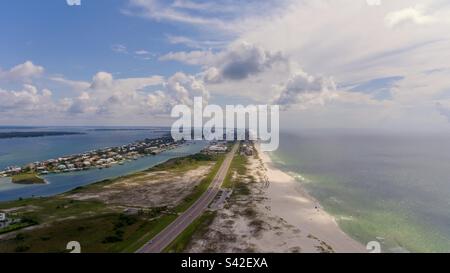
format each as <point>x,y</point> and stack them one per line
<point>60,183</point>
<point>26,150</point>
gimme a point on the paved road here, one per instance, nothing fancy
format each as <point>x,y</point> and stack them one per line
<point>171,232</point>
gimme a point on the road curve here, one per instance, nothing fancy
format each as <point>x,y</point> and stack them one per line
<point>171,232</point>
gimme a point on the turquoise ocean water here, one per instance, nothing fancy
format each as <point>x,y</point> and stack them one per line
<point>388,187</point>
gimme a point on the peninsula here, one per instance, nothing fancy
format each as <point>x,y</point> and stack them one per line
<point>101,158</point>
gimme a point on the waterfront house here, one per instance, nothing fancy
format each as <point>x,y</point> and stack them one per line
<point>16,170</point>
<point>101,161</point>
<point>94,158</point>
<point>151,150</point>
<point>87,163</point>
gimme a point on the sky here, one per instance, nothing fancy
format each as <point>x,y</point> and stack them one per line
<point>327,63</point>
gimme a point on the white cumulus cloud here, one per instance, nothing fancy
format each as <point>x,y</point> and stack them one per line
<point>22,72</point>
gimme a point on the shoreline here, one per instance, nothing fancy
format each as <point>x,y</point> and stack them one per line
<point>275,214</point>
<point>287,199</point>
<point>64,182</point>
<point>96,159</point>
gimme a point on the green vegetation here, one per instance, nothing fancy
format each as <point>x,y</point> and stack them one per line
<point>184,164</point>
<point>27,178</point>
<point>241,189</point>
<point>150,230</point>
<point>239,166</point>
<point>175,165</point>
<point>119,228</point>
<point>158,225</point>
<point>92,233</point>
<point>16,226</point>
<point>98,227</point>
<point>49,209</point>
<point>200,188</point>
<point>198,227</point>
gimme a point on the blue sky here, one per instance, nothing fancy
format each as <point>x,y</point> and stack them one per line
<point>327,63</point>
<point>77,40</point>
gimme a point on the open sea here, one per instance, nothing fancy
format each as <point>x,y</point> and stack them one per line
<point>388,187</point>
<point>21,151</point>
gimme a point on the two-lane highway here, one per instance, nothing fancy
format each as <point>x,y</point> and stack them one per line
<point>171,232</point>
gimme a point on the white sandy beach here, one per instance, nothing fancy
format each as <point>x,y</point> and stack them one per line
<point>287,199</point>
<point>275,216</point>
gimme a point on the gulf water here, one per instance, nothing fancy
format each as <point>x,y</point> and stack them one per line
<point>388,187</point>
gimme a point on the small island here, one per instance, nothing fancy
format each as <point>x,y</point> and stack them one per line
<point>36,134</point>
<point>27,179</point>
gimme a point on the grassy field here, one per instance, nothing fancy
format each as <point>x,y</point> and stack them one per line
<point>54,208</point>
<point>97,226</point>
<point>99,233</point>
<point>239,166</point>
<point>165,220</point>
<point>176,165</point>
<point>198,227</point>
<point>16,226</point>
<point>185,163</point>
<point>201,188</point>
<point>27,178</point>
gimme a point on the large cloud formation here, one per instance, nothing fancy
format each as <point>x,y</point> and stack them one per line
<point>179,89</point>
<point>304,88</point>
<point>245,59</point>
<point>109,96</point>
<point>390,58</point>
<point>403,40</point>
<point>28,100</point>
<point>237,62</point>
<point>104,97</point>
<point>25,71</point>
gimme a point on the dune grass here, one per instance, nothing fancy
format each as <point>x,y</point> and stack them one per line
<point>27,178</point>
<point>198,227</point>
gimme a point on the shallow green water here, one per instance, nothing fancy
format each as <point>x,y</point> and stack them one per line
<point>391,188</point>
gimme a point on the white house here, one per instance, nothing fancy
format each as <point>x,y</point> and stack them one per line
<point>217,148</point>
<point>87,163</point>
<point>2,217</point>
